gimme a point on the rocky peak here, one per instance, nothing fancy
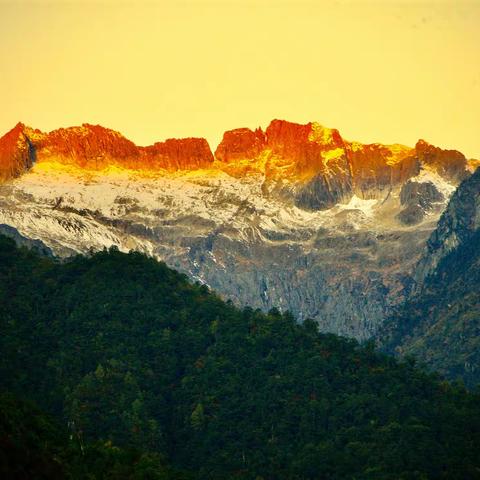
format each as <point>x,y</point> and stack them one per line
<point>180,154</point>
<point>96,147</point>
<point>304,144</point>
<point>447,163</point>
<point>318,165</point>
<point>239,144</point>
<point>377,167</point>
<point>87,146</point>
<point>418,198</point>
<point>16,153</point>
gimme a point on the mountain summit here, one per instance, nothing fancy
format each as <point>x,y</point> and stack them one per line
<point>96,147</point>
<point>311,154</point>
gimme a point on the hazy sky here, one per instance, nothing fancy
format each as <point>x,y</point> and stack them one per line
<point>387,71</point>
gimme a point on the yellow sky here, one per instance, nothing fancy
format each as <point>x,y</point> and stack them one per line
<point>387,71</point>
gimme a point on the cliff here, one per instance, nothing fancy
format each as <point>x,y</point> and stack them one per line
<point>311,164</point>
<point>17,153</point>
<point>440,321</point>
<point>93,147</point>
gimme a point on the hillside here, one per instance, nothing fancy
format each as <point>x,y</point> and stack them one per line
<point>121,349</point>
<point>440,321</point>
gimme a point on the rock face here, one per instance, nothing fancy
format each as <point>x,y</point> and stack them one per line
<point>178,154</point>
<point>317,168</point>
<point>93,147</point>
<point>241,143</point>
<point>295,217</point>
<point>457,225</point>
<point>310,164</point>
<point>440,321</point>
<point>448,163</point>
<point>16,153</point>
<point>88,146</point>
<point>418,199</point>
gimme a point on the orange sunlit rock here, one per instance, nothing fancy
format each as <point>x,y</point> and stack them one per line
<point>16,155</point>
<point>446,162</point>
<point>286,151</point>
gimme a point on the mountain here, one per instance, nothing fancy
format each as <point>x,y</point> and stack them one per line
<point>294,217</point>
<point>17,153</point>
<point>96,147</point>
<point>144,369</point>
<point>440,321</point>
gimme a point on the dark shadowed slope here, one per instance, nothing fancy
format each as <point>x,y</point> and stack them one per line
<point>440,322</point>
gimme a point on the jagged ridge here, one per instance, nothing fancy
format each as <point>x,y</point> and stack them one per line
<point>320,167</point>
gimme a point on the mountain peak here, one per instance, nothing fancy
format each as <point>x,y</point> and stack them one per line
<point>95,147</point>
<point>447,163</point>
<point>240,143</point>
<point>285,150</point>
<point>20,126</point>
<point>15,153</point>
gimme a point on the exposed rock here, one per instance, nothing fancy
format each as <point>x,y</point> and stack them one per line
<point>440,321</point>
<point>88,146</point>
<point>458,223</point>
<point>309,164</point>
<point>302,143</point>
<point>424,194</point>
<point>17,153</point>
<point>448,163</point>
<point>376,168</point>
<point>179,154</point>
<point>241,143</point>
<point>322,192</point>
<point>93,147</point>
<point>418,198</point>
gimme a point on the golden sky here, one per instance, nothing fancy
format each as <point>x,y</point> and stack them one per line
<point>385,70</point>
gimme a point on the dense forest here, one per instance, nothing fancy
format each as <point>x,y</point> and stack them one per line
<point>113,366</point>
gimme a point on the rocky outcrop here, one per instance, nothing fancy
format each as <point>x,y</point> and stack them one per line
<point>94,147</point>
<point>88,146</point>
<point>324,191</point>
<point>179,154</point>
<point>316,168</point>
<point>447,163</point>
<point>310,165</point>
<point>239,144</point>
<point>417,198</point>
<point>17,153</point>
<point>457,225</point>
<point>376,169</point>
<point>305,144</point>
<point>439,322</point>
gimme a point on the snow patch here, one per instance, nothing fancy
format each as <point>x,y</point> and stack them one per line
<point>443,186</point>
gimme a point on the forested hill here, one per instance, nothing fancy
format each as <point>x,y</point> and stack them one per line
<point>129,356</point>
